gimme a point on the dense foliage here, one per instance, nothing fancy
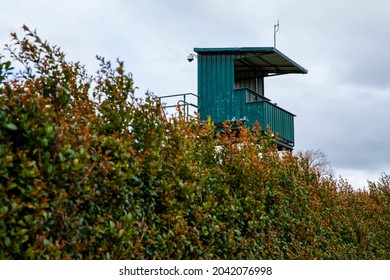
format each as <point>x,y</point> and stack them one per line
<point>89,171</point>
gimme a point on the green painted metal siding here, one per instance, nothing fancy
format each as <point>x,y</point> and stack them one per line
<point>279,120</point>
<point>216,86</point>
<point>240,108</point>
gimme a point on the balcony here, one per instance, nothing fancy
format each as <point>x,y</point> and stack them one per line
<point>260,108</point>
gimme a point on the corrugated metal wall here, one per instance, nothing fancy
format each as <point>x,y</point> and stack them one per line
<point>216,85</point>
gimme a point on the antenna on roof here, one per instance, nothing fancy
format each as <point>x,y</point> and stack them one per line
<point>276,29</point>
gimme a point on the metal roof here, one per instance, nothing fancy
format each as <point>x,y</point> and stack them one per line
<point>266,59</point>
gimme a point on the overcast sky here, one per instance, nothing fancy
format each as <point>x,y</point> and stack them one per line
<point>342,104</point>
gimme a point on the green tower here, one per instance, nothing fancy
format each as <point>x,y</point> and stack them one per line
<point>231,87</point>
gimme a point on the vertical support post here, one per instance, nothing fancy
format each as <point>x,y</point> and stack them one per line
<point>184,109</point>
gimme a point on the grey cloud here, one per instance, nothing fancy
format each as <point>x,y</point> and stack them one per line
<point>352,127</point>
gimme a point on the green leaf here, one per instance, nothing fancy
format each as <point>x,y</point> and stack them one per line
<point>11,126</point>
<point>22,223</point>
<point>7,241</point>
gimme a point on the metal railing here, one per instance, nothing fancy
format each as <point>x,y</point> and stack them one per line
<point>262,109</point>
<point>183,102</point>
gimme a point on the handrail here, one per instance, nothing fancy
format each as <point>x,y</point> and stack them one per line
<point>184,102</point>
<point>263,99</point>
<point>272,105</point>
<point>179,94</point>
<point>253,92</point>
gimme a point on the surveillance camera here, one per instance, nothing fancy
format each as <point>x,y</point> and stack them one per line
<point>190,57</point>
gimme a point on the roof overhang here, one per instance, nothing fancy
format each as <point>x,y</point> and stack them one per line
<point>268,60</point>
